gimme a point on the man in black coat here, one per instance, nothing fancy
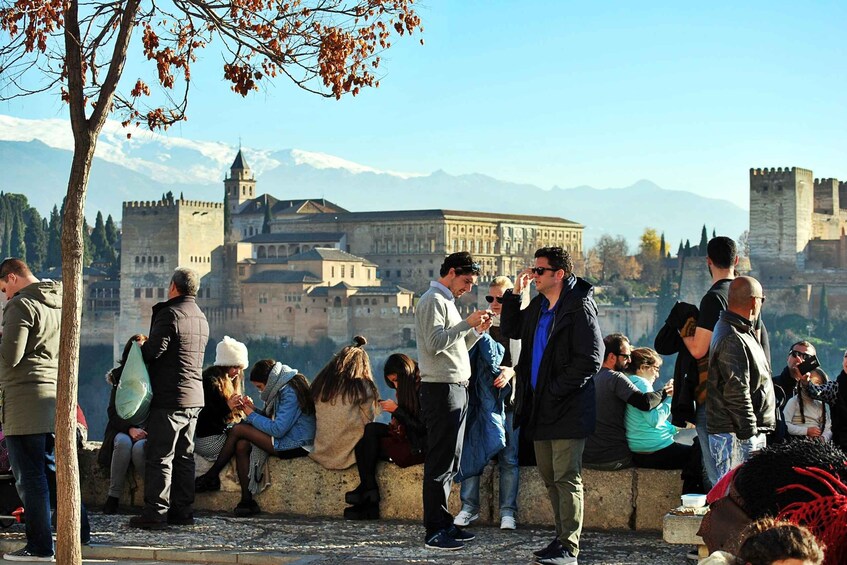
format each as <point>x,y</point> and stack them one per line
<point>561,351</point>
<point>173,353</point>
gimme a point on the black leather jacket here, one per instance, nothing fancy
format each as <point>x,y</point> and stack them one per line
<point>740,396</point>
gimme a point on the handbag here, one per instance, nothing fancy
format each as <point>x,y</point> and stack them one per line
<point>134,393</point>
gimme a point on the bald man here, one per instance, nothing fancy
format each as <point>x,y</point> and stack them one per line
<point>740,400</point>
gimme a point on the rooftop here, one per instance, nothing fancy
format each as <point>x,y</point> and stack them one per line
<point>328,254</point>
<point>295,237</point>
<point>437,214</point>
<point>282,277</point>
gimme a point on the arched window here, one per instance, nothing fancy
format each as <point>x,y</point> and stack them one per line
<point>337,302</point>
<point>260,252</point>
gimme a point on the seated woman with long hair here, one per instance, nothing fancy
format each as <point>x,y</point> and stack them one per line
<point>223,386</point>
<point>285,428</point>
<point>345,398</point>
<point>402,441</point>
<point>650,435</point>
<point>123,443</point>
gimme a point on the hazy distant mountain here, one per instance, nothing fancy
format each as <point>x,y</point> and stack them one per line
<point>35,158</point>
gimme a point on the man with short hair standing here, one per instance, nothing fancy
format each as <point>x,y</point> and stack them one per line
<point>174,355</point>
<point>29,364</point>
<point>740,401</point>
<point>607,448</point>
<point>560,354</point>
<point>721,260</point>
<point>443,341</point>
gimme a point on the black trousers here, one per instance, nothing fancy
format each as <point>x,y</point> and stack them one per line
<point>676,456</point>
<point>443,408</point>
<point>368,453</point>
<point>169,463</point>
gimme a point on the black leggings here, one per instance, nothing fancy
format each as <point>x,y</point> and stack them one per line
<point>687,458</point>
<point>369,453</point>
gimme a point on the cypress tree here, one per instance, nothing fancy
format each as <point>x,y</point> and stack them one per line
<point>662,248</point>
<point>17,245</point>
<point>54,240</point>
<point>35,239</point>
<point>99,242</point>
<point>111,231</point>
<point>87,254</point>
<point>823,314</point>
<point>704,241</point>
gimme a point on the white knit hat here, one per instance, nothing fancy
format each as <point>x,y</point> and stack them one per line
<point>231,353</point>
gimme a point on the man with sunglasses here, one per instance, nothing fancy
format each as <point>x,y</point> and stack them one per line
<point>443,342</point>
<point>607,448</point>
<point>787,379</point>
<point>560,354</point>
<point>740,402</point>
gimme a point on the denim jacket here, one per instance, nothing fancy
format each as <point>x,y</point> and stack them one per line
<point>289,427</point>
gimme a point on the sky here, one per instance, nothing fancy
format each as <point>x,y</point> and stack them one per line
<point>566,94</point>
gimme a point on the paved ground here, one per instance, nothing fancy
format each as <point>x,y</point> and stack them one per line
<point>283,539</point>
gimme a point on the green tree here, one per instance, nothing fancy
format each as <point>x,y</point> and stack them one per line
<point>35,239</point>
<point>88,247</point>
<point>18,246</point>
<point>99,241</point>
<point>663,248</point>
<point>704,242</point>
<point>54,240</point>
<point>111,231</point>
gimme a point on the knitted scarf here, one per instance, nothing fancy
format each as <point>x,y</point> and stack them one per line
<point>278,378</point>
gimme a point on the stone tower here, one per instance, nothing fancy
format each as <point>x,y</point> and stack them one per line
<point>782,204</point>
<point>239,186</point>
<point>158,237</point>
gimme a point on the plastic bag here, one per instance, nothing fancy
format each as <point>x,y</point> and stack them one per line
<point>134,394</point>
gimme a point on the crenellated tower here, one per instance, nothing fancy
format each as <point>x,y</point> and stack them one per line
<point>782,204</point>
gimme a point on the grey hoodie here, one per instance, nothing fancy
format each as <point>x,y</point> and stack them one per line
<point>29,359</point>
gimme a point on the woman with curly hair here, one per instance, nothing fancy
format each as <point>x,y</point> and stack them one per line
<point>346,399</point>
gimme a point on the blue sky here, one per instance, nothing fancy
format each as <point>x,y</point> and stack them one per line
<point>563,93</point>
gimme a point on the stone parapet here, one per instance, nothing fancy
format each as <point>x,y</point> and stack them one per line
<point>632,499</point>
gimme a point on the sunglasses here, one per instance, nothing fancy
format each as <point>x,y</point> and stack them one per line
<point>798,354</point>
<point>470,268</point>
<point>762,298</point>
<point>540,270</point>
<point>624,355</point>
<point>491,299</point>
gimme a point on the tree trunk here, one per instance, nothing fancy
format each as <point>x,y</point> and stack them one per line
<point>68,502</point>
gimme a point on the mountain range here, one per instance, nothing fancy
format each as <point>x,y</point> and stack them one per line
<point>35,157</point>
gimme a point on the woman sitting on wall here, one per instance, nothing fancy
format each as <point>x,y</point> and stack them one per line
<point>346,399</point>
<point>285,428</point>
<point>223,386</point>
<point>402,441</point>
<point>650,435</point>
<point>122,442</point>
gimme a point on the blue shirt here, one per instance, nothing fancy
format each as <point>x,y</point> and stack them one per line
<point>542,334</point>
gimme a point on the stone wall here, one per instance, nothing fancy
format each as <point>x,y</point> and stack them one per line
<point>634,499</point>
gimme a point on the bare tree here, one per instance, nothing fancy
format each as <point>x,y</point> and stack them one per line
<point>78,50</point>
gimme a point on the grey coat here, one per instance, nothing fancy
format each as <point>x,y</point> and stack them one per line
<point>29,359</point>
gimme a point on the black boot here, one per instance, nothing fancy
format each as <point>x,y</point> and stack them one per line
<point>364,511</point>
<point>111,506</point>
<point>362,496</point>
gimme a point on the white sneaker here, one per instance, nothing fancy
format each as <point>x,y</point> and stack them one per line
<point>464,518</point>
<point>507,523</point>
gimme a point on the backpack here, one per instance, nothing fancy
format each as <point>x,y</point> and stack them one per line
<point>134,393</point>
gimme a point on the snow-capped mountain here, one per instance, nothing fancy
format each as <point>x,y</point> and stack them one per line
<point>36,155</point>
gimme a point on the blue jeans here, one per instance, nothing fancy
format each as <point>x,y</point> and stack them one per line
<point>31,457</point>
<point>729,451</point>
<point>710,470</point>
<point>510,473</point>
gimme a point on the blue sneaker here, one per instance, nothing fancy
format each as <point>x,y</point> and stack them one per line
<point>443,541</point>
<point>459,534</point>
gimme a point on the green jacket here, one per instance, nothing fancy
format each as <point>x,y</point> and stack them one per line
<point>29,359</point>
